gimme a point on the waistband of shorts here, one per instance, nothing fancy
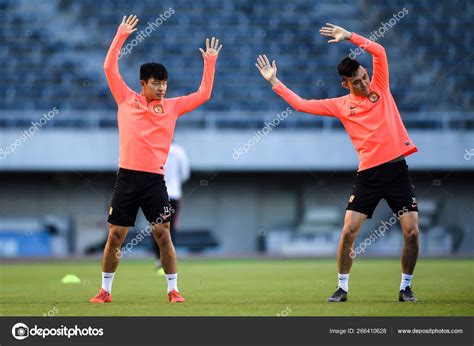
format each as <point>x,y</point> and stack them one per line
<point>398,159</point>
<point>393,163</point>
<point>131,171</point>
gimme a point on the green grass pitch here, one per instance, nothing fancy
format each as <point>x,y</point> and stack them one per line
<point>242,287</point>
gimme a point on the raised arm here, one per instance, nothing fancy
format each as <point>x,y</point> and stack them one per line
<point>319,107</point>
<point>379,57</point>
<point>116,84</point>
<point>189,102</point>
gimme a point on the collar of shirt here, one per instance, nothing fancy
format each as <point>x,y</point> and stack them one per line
<point>144,101</point>
<point>355,98</point>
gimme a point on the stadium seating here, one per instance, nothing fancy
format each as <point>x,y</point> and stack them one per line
<point>52,52</point>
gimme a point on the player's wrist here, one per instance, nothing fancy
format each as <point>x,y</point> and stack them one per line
<point>273,81</point>
<point>210,57</point>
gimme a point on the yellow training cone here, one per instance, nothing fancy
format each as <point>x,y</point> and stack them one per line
<point>71,279</point>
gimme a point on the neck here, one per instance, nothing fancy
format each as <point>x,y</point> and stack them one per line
<point>357,96</point>
<point>149,100</point>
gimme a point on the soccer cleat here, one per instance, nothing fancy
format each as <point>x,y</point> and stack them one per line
<point>175,297</point>
<point>102,297</point>
<point>339,296</point>
<point>406,295</point>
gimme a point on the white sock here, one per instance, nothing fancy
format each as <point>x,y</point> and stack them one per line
<point>343,281</point>
<point>172,280</point>
<point>107,279</point>
<point>406,281</point>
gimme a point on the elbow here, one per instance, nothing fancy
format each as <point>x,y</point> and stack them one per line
<point>110,65</point>
<point>202,95</point>
<point>380,49</point>
<point>107,68</point>
<point>206,96</point>
<point>298,107</point>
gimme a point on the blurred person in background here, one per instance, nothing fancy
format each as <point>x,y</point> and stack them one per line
<point>177,173</point>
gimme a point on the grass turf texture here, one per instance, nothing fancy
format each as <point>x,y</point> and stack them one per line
<point>444,287</point>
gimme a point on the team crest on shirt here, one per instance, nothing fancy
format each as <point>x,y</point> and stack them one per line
<point>158,109</point>
<point>373,97</point>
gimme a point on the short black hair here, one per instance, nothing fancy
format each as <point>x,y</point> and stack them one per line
<point>348,67</point>
<point>153,70</point>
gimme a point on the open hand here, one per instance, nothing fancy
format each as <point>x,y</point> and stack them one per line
<point>336,32</point>
<point>212,48</point>
<point>129,24</point>
<point>268,71</point>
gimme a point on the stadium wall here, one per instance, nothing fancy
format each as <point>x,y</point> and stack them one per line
<point>228,150</point>
<point>238,208</point>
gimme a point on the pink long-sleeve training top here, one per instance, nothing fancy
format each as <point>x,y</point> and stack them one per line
<point>146,129</point>
<point>373,122</point>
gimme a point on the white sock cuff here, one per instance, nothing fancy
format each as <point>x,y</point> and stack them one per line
<point>171,276</point>
<point>406,281</point>
<point>107,280</point>
<point>172,280</point>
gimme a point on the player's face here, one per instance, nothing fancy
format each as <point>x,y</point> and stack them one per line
<point>359,85</point>
<point>154,89</point>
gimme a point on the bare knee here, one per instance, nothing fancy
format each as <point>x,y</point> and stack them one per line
<point>117,235</point>
<point>411,234</point>
<point>349,234</point>
<point>162,234</point>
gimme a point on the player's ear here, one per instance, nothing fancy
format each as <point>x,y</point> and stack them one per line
<point>345,85</point>
<point>142,83</point>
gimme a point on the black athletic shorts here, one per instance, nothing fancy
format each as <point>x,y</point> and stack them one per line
<point>390,181</point>
<point>135,189</point>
